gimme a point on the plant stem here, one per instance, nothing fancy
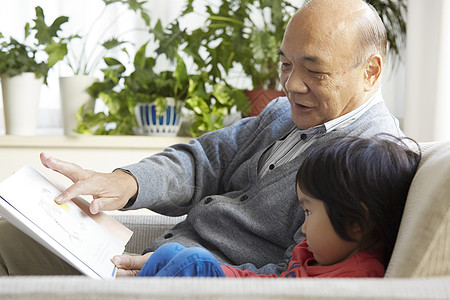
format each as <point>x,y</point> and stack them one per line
<point>83,49</point>
<point>107,28</point>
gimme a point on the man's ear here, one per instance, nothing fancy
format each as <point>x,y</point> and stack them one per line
<point>372,72</point>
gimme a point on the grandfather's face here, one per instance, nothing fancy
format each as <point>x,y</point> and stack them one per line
<point>316,70</point>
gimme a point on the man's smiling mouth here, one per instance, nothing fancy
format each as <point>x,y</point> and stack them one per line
<point>302,107</point>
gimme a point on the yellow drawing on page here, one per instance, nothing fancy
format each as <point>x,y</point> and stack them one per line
<point>59,213</point>
<point>64,206</point>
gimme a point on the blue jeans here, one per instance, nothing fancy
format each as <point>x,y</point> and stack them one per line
<point>175,260</point>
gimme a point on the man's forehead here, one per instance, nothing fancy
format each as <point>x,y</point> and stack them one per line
<point>326,21</point>
<point>298,56</point>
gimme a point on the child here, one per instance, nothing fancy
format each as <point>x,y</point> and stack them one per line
<point>352,190</point>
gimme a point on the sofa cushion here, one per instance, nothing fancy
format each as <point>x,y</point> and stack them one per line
<point>146,228</point>
<point>423,243</point>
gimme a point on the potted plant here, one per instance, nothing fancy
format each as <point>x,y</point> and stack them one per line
<point>86,53</point>
<point>248,33</point>
<point>128,96</point>
<point>22,73</point>
<point>244,33</point>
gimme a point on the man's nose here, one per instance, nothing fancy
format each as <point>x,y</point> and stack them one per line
<point>295,83</point>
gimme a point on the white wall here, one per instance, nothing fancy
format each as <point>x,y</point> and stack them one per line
<point>427,102</point>
<point>393,89</point>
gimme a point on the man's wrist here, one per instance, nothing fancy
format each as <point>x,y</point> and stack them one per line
<point>132,186</point>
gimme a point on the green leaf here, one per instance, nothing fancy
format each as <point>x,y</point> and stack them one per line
<point>112,62</point>
<point>45,33</point>
<point>198,105</point>
<point>161,105</point>
<point>169,39</point>
<point>27,30</point>
<point>139,58</point>
<point>222,94</point>
<point>112,43</point>
<point>56,52</point>
<point>189,8</point>
<point>241,101</point>
<point>145,17</point>
<point>227,20</point>
<point>182,79</point>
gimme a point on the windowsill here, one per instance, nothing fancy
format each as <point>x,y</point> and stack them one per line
<point>89,141</point>
<point>100,153</point>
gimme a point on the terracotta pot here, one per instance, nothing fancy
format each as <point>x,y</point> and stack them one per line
<point>260,98</point>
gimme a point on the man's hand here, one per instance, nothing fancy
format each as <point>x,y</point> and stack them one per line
<point>110,191</point>
<point>129,265</point>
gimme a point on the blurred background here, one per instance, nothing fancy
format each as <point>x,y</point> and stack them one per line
<point>415,87</point>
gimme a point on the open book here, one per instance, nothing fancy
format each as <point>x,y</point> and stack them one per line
<point>86,241</point>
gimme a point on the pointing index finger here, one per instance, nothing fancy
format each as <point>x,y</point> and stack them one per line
<point>70,170</point>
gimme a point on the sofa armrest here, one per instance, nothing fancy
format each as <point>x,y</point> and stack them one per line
<point>145,229</point>
<point>81,287</point>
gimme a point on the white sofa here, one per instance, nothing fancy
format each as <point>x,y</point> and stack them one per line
<point>419,268</point>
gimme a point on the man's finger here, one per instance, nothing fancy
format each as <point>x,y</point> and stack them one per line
<point>106,204</point>
<point>75,190</point>
<point>70,170</point>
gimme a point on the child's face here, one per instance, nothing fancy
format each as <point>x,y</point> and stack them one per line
<point>323,241</point>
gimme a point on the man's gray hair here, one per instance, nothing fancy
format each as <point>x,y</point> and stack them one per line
<point>372,36</point>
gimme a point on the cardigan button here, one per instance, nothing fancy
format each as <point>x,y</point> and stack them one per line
<point>168,236</point>
<point>243,198</point>
<point>208,200</point>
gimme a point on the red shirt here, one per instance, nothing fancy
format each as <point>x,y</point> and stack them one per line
<point>363,264</point>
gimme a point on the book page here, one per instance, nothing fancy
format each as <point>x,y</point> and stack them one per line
<point>67,230</point>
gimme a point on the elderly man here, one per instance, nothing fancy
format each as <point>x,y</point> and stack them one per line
<point>237,185</point>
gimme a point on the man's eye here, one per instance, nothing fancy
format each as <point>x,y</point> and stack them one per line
<point>307,212</point>
<point>285,65</point>
<point>314,72</point>
<point>319,75</point>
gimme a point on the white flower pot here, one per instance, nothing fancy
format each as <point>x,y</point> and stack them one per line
<point>21,95</point>
<point>73,95</point>
<point>166,125</point>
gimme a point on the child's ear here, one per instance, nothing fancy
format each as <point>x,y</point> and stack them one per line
<point>356,232</point>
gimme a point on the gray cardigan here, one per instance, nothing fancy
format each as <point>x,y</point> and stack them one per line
<point>242,219</point>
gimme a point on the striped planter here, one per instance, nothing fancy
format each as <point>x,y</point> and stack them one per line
<point>149,123</point>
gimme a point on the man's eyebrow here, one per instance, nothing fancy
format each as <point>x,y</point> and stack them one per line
<point>313,59</point>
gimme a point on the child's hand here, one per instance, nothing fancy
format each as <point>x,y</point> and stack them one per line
<point>128,265</point>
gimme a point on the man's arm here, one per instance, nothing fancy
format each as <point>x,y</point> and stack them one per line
<point>173,181</point>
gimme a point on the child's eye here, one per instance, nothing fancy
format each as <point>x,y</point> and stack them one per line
<point>307,212</point>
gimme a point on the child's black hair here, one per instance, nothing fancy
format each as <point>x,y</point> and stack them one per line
<point>363,182</point>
